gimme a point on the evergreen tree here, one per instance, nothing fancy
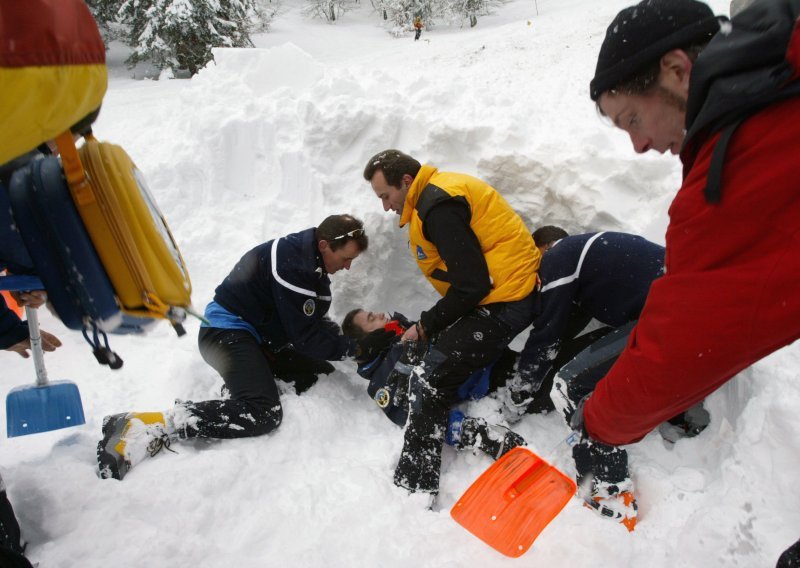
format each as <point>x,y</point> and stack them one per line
<point>105,14</point>
<point>330,10</point>
<point>471,9</point>
<point>401,13</point>
<point>180,33</point>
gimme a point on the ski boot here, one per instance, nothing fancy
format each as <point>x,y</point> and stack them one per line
<point>129,438</point>
<point>467,432</point>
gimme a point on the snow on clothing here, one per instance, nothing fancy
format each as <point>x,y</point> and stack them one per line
<point>730,293</point>
<point>378,372</point>
<point>477,253</point>
<point>267,321</point>
<point>605,276</point>
<point>492,258</point>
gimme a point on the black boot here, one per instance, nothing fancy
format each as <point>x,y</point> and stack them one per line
<point>604,482</point>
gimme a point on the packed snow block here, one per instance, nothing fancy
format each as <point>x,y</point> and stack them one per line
<point>59,246</point>
<point>264,70</point>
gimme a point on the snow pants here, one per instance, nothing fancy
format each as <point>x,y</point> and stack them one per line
<point>249,372</point>
<point>471,343</point>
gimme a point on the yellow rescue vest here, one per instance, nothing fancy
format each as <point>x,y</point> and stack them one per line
<point>510,253</point>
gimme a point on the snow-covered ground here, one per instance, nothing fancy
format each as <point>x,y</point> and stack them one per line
<point>270,141</point>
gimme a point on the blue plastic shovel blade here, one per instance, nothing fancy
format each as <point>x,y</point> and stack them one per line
<point>32,409</point>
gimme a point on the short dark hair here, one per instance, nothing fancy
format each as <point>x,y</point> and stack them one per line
<point>349,327</point>
<point>548,234</point>
<point>394,164</point>
<point>335,229</point>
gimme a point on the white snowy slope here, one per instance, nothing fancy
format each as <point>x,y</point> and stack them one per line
<point>270,141</point>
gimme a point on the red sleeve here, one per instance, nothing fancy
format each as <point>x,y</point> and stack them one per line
<point>729,297</point>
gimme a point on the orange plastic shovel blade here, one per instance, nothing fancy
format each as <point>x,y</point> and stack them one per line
<point>513,501</point>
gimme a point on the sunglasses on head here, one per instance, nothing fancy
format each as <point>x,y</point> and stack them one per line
<point>351,234</point>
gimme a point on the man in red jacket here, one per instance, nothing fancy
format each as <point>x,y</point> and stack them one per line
<point>730,107</point>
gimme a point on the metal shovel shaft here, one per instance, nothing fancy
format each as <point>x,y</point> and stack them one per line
<point>36,346</point>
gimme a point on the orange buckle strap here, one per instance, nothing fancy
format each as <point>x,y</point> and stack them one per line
<point>73,169</point>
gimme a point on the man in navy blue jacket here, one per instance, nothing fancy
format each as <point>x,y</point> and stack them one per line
<point>267,320</point>
<point>602,276</point>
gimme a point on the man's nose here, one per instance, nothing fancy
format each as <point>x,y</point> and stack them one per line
<point>386,206</point>
<point>641,144</point>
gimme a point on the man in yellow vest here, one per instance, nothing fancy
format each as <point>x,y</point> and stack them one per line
<point>478,254</point>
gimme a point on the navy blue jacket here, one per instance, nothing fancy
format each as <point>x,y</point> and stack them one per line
<point>14,257</point>
<point>281,288</point>
<point>605,276</point>
<point>378,370</point>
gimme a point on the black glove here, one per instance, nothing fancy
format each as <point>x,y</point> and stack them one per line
<point>414,351</point>
<point>373,344</point>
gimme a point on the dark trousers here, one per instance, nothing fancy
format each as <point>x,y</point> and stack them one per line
<point>790,557</point>
<point>572,383</point>
<point>249,373</point>
<point>471,343</point>
<point>10,539</point>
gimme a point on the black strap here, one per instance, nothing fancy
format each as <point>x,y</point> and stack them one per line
<point>713,191</point>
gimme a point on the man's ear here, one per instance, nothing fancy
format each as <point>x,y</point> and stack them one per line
<point>676,67</point>
<point>323,245</point>
<point>408,179</point>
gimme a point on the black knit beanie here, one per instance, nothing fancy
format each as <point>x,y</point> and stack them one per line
<point>641,34</point>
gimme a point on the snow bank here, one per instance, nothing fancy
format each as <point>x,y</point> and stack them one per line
<point>269,141</point>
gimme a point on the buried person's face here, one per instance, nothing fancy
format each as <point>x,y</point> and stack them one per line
<point>370,321</point>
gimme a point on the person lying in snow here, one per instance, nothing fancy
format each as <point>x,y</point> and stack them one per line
<point>388,364</point>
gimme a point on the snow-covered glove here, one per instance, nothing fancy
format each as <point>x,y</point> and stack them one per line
<point>414,352</point>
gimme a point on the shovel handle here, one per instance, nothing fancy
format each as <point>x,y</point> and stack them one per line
<point>36,345</point>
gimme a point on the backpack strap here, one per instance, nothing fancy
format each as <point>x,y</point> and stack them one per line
<point>713,190</point>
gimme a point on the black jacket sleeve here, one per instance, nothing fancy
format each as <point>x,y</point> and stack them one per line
<point>447,227</point>
<point>12,330</point>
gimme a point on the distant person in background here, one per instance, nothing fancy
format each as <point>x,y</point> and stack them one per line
<point>729,104</point>
<point>417,27</point>
<point>268,320</point>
